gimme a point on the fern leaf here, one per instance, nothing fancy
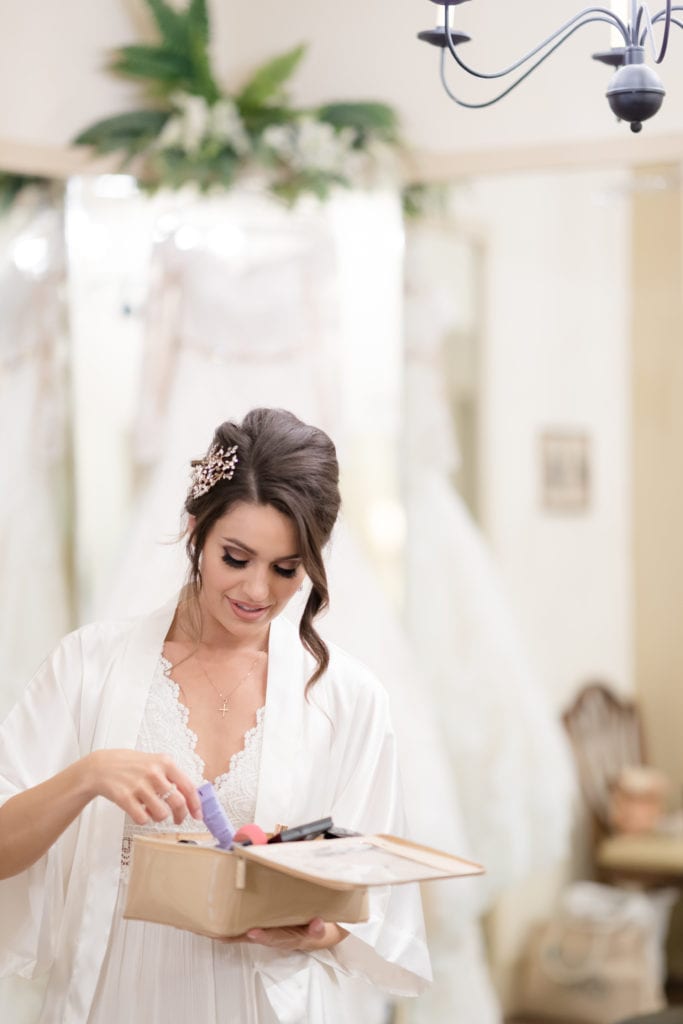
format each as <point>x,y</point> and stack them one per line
<point>153,62</point>
<point>198,19</point>
<point>375,119</point>
<point>256,120</point>
<point>267,82</point>
<point>202,82</point>
<point>171,25</point>
<point>132,130</point>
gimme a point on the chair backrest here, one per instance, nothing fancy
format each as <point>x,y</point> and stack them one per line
<point>606,736</point>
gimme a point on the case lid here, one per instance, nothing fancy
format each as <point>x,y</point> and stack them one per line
<point>360,861</point>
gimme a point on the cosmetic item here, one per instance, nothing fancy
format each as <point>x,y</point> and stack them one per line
<point>215,818</point>
<point>337,832</point>
<point>311,830</point>
<point>250,835</point>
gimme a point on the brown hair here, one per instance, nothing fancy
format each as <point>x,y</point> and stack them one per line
<point>293,467</point>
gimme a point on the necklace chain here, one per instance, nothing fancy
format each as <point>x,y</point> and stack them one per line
<point>226,706</point>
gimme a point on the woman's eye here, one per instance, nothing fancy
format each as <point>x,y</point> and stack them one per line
<point>236,563</point>
<point>287,573</point>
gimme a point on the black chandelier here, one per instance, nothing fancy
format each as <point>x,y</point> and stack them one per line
<point>635,92</point>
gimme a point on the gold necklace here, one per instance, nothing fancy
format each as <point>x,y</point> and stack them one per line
<point>226,706</point>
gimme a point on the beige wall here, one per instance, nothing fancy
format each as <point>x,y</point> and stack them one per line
<point>658,469</point>
<point>53,56</point>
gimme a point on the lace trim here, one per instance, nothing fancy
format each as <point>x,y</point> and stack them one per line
<point>239,755</point>
<point>192,738</point>
<point>165,727</point>
<point>183,713</point>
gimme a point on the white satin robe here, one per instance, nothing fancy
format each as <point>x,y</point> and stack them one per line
<point>333,754</point>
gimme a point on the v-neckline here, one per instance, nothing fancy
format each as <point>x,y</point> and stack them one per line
<point>183,713</point>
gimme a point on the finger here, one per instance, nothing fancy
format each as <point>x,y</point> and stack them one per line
<point>188,790</point>
<point>175,802</point>
<point>316,928</point>
<point>157,808</point>
<point>281,938</point>
<point>138,812</point>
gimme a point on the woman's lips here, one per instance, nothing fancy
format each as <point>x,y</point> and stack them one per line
<point>247,612</point>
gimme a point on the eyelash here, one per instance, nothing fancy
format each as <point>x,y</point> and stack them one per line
<point>238,563</point>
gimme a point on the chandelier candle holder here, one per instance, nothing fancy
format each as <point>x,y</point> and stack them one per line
<point>635,91</point>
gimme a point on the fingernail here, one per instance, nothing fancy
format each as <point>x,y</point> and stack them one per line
<point>253,934</point>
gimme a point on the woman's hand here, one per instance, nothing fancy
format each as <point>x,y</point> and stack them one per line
<point>317,934</point>
<point>31,821</point>
<point>143,785</point>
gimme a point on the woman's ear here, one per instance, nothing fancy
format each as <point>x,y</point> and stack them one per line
<point>191,523</point>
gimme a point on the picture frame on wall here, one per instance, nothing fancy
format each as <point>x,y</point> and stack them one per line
<point>565,471</point>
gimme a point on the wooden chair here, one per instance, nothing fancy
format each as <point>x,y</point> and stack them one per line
<point>606,736</point>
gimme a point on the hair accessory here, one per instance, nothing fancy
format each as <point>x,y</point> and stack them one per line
<point>218,464</point>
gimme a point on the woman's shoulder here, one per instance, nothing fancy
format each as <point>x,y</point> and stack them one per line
<point>104,635</point>
<point>343,668</point>
<point>90,633</point>
<point>347,680</point>
<point>350,669</point>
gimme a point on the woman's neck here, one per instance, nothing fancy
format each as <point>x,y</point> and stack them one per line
<point>193,626</point>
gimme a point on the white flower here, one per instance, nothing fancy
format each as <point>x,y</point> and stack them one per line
<point>280,139</point>
<point>171,135</point>
<point>310,145</point>
<point>318,147</point>
<point>194,114</point>
<point>226,126</point>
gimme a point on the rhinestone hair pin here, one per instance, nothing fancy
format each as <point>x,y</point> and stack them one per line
<point>218,464</point>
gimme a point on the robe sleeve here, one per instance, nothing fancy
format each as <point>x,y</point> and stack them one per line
<point>38,738</point>
<point>389,950</point>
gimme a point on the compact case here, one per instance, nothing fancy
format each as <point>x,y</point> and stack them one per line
<point>223,893</point>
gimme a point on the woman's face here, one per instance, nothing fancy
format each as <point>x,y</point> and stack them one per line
<point>251,566</point>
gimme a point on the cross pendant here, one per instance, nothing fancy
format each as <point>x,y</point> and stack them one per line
<point>225,707</point>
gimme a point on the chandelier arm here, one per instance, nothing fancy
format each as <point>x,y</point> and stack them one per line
<point>518,81</point>
<point>601,14</point>
<point>658,17</point>
<point>674,21</point>
<point>666,15</point>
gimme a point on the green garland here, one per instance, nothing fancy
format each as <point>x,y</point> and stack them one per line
<point>12,184</point>
<point>194,132</point>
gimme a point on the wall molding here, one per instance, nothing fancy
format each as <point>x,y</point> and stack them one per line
<point>54,161</point>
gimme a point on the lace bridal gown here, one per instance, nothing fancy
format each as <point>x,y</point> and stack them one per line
<point>243,312</point>
<point>506,748</point>
<point>35,605</point>
<point>34,598</point>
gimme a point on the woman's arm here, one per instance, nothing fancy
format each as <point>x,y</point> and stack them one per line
<point>32,821</point>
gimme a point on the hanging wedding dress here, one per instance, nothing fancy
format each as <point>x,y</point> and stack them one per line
<point>243,312</point>
<point>506,748</point>
<point>35,599</point>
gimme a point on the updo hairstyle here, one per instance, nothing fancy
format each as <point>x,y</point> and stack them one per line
<point>293,467</point>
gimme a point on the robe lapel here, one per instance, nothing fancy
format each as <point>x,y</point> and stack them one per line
<point>133,676</point>
<point>283,725</point>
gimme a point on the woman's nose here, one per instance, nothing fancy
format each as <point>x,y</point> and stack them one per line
<point>257,586</point>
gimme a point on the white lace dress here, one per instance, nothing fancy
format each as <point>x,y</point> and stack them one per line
<point>153,972</point>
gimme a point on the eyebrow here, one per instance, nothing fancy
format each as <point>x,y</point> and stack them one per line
<point>250,551</point>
